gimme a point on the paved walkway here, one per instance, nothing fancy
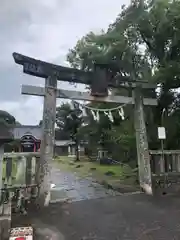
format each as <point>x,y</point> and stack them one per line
<point>105,216</point>
<point>70,187</point>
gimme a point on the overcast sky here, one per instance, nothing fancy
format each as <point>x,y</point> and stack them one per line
<point>44,29</point>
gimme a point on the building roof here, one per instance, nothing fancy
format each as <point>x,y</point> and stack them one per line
<point>36,131</point>
<point>22,130</point>
<point>60,143</point>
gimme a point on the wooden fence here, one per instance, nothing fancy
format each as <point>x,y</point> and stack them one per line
<point>19,185</point>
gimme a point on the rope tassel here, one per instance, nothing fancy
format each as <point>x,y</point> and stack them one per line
<point>95,115</point>
<point>84,113</point>
<point>109,115</point>
<point>121,113</point>
<point>95,111</point>
<point>72,105</point>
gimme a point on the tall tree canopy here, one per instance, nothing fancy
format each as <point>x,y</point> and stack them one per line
<point>6,118</point>
<point>142,44</point>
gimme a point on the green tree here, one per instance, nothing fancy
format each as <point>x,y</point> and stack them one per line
<point>6,118</point>
<point>7,121</point>
<point>120,53</point>
<point>69,121</point>
<point>142,44</point>
<point>159,27</point>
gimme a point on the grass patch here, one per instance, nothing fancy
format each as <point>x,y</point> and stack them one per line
<point>111,174</point>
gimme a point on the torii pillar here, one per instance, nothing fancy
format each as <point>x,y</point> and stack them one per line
<point>52,73</point>
<point>47,142</point>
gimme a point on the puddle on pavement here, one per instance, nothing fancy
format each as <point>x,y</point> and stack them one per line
<point>69,186</point>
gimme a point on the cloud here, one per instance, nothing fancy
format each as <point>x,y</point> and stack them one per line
<point>44,29</point>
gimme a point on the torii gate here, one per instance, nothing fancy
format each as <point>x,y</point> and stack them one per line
<point>99,83</point>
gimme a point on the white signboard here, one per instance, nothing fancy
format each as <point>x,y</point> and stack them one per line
<point>21,233</point>
<point>161,133</point>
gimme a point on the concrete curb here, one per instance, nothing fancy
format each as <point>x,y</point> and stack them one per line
<point>121,189</point>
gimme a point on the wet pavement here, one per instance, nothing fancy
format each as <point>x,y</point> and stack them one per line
<point>132,217</point>
<point>102,214</point>
<point>70,187</point>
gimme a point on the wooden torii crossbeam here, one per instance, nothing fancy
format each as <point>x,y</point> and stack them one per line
<point>52,73</point>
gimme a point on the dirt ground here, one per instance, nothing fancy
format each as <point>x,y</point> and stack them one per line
<point>127,217</point>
